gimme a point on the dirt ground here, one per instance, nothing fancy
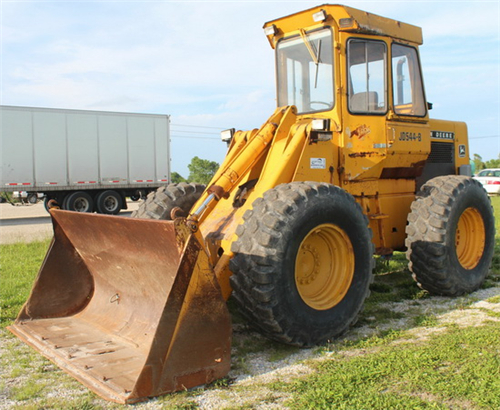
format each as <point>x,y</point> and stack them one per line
<point>27,223</point>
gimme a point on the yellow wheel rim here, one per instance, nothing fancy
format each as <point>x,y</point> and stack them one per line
<point>470,238</point>
<point>324,267</point>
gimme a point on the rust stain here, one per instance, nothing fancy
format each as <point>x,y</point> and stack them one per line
<point>362,154</point>
<point>360,132</point>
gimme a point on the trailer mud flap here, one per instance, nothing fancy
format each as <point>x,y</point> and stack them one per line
<point>129,307</point>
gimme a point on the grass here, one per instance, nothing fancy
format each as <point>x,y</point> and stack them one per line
<point>19,264</point>
<point>450,370</point>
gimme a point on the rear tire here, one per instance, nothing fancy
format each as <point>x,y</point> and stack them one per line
<point>159,204</point>
<point>109,202</point>
<point>450,235</point>
<point>303,263</point>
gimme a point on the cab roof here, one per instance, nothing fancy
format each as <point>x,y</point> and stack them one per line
<point>348,19</point>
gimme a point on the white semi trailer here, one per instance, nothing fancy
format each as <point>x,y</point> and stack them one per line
<point>85,161</point>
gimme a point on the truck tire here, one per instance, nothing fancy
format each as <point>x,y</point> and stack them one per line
<point>302,263</point>
<point>32,198</point>
<point>450,235</point>
<point>79,201</point>
<point>159,204</point>
<point>109,202</point>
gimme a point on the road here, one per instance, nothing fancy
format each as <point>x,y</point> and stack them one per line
<point>27,223</point>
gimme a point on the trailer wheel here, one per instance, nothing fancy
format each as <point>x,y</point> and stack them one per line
<point>450,235</point>
<point>303,263</point>
<point>79,201</point>
<point>109,202</point>
<point>160,203</point>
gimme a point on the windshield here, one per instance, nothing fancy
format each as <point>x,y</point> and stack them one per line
<point>305,71</point>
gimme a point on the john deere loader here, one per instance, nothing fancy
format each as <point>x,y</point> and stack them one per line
<point>348,166</point>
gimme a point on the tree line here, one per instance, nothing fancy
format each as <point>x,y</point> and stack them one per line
<point>478,164</point>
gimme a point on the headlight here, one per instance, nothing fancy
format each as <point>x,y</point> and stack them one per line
<point>271,30</point>
<point>227,135</point>
<point>319,16</point>
<point>320,124</point>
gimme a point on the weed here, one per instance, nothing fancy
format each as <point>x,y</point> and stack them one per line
<point>379,314</point>
<point>425,320</point>
<point>28,390</point>
<point>490,313</point>
<point>383,337</point>
<point>494,299</point>
<point>465,302</point>
<point>421,294</point>
<point>239,364</point>
<point>222,383</point>
<point>281,352</point>
<point>84,404</point>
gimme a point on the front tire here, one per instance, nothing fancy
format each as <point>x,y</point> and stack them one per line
<point>450,235</point>
<point>303,263</point>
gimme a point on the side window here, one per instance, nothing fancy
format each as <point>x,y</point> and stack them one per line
<point>367,76</point>
<point>407,82</point>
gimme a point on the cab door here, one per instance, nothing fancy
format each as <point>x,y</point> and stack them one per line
<point>408,131</point>
<point>364,113</point>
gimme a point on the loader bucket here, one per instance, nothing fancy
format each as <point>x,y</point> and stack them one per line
<point>123,308</point>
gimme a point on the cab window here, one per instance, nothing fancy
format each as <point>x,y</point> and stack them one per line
<point>407,82</point>
<point>367,88</point>
<point>305,71</point>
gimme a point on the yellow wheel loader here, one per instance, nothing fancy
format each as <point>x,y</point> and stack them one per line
<point>350,165</point>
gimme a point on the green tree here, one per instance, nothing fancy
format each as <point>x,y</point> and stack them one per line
<point>202,170</point>
<point>478,162</point>
<point>493,163</point>
<point>175,177</point>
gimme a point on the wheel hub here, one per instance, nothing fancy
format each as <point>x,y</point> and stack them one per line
<point>110,203</point>
<point>309,265</point>
<point>81,205</point>
<point>324,266</point>
<point>470,238</point>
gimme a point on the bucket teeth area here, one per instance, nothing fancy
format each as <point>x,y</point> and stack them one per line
<point>104,363</point>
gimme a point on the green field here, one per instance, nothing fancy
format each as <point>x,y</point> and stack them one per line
<point>402,354</point>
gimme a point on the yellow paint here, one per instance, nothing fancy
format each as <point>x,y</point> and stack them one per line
<point>470,238</point>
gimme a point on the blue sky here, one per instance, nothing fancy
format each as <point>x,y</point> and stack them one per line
<point>209,65</point>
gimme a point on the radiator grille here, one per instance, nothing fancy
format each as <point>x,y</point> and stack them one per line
<point>441,153</point>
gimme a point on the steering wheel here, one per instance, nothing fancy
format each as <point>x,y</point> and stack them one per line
<point>328,105</point>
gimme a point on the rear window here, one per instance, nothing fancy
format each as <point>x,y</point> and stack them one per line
<point>489,173</point>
